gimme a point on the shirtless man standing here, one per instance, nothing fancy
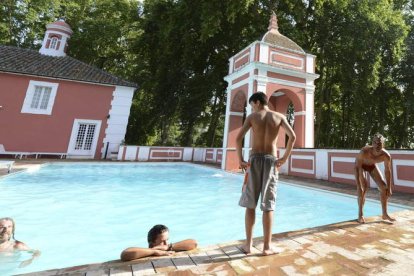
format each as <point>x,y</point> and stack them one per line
<point>366,161</point>
<point>262,178</point>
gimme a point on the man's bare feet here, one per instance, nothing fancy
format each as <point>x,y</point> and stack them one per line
<point>387,217</point>
<point>361,220</point>
<point>270,251</point>
<point>245,248</point>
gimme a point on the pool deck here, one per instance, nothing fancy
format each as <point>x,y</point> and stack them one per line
<point>347,248</point>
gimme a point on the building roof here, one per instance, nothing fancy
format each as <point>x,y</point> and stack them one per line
<point>279,40</point>
<point>60,24</point>
<point>30,62</point>
<point>274,37</point>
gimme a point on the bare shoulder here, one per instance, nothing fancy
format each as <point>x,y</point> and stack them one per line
<point>365,150</point>
<point>250,118</point>
<point>21,246</point>
<point>277,114</point>
<point>386,154</point>
<point>277,117</point>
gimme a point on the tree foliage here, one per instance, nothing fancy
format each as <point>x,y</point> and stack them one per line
<point>178,50</point>
<point>359,45</point>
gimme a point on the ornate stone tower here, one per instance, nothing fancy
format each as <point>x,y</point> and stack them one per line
<point>55,40</point>
<point>281,69</point>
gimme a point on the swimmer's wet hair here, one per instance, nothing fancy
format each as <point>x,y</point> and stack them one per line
<point>154,232</point>
<point>13,224</point>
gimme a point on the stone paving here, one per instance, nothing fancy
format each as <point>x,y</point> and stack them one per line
<point>348,248</point>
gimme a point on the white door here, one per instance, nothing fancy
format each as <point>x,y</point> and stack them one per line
<point>84,137</point>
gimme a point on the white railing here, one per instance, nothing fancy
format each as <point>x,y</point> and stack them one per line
<point>325,164</point>
<point>186,154</point>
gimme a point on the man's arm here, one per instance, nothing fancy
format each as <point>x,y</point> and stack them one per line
<point>184,245</point>
<point>23,247</point>
<point>359,177</point>
<point>239,141</point>
<point>292,138</point>
<point>388,177</point>
<point>133,253</point>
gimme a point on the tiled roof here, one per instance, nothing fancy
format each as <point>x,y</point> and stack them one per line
<point>280,40</point>
<point>30,62</point>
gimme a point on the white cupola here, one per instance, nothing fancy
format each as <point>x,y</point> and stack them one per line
<point>55,40</point>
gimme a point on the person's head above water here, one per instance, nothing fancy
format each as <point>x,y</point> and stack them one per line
<point>8,243</point>
<point>158,235</point>
<point>7,229</point>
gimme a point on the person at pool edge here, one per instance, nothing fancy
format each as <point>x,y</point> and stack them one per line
<point>158,237</point>
<point>263,164</point>
<point>9,244</point>
<point>366,161</point>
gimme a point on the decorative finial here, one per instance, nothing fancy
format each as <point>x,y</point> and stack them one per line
<point>273,22</point>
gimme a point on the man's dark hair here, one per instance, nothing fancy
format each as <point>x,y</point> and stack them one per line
<point>259,96</point>
<point>154,232</point>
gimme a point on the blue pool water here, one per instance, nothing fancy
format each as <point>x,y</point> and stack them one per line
<point>78,213</point>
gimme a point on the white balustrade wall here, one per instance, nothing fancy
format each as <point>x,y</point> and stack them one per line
<point>330,165</point>
<point>185,154</point>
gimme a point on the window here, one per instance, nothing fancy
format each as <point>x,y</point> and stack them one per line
<point>84,137</point>
<point>53,43</point>
<point>40,97</point>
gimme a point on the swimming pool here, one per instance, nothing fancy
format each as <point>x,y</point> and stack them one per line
<point>78,213</point>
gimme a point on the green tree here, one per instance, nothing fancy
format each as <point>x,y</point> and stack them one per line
<point>186,46</point>
<point>358,44</point>
<point>178,51</point>
<point>402,128</point>
<point>22,22</point>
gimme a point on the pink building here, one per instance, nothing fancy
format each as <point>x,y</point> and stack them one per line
<point>281,69</point>
<point>52,104</point>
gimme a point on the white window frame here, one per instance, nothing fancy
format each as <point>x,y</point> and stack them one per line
<point>53,43</point>
<point>26,108</point>
<point>73,136</point>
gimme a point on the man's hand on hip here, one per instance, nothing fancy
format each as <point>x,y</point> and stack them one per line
<point>279,162</point>
<point>243,165</point>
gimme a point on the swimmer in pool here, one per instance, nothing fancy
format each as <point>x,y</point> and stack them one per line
<point>158,244</point>
<point>9,244</point>
<point>366,161</point>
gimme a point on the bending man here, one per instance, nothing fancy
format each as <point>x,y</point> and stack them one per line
<point>366,162</point>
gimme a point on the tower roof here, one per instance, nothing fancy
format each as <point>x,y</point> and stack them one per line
<point>60,25</point>
<point>275,38</point>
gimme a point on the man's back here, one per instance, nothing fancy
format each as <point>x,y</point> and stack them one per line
<point>265,125</point>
